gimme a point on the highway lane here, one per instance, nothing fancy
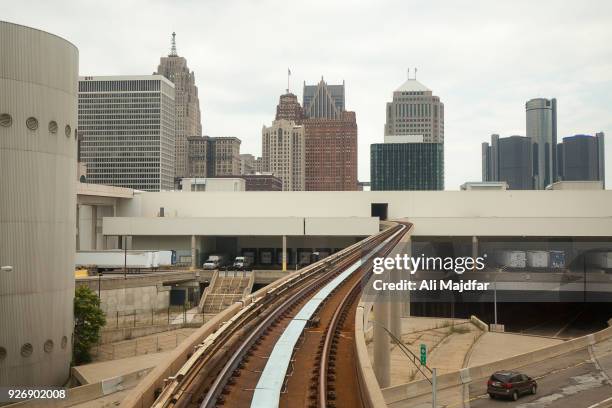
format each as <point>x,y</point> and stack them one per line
<point>569,381</point>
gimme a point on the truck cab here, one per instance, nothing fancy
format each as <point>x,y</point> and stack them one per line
<point>243,263</point>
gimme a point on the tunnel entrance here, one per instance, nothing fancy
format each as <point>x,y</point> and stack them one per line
<point>561,320</point>
<point>380,210</point>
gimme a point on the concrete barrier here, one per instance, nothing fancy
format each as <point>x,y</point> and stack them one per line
<point>406,391</point>
<point>371,394</point>
<point>89,392</point>
<point>479,323</point>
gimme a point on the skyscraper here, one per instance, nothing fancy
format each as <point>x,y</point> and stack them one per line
<point>323,101</point>
<point>283,153</point>
<point>225,152</point>
<point>406,165</point>
<point>331,139</point>
<point>414,110</point>
<point>289,108</point>
<point>199,157</point>
<point>187,104</point>
<point>412,157</point>
<point>541,115</point>
<point>213,156</point>
<point>508,159</point>
<point>581,158</point>
<point>127,129</point>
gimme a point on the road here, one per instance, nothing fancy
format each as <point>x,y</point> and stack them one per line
<point>569,381</point>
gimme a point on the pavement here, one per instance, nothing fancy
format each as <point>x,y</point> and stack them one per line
<point>497,346</point>
<point>96,372</point>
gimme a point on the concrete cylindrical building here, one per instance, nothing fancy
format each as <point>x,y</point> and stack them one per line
<point>38,118</point>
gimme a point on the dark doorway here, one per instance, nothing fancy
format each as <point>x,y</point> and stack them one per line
<point>380,210</point>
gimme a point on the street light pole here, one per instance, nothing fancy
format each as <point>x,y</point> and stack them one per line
<point>500,270</point>
<point>495,301</point>
<point>125,257</point>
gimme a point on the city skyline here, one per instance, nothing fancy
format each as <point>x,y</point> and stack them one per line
<point>478,61</point>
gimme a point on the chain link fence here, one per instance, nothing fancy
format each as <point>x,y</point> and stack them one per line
<point>172,315</point>
<point>129,348</point>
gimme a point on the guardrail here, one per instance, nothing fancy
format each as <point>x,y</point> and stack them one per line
<point>464,376</point>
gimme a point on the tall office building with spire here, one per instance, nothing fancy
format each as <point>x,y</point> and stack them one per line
<point>187,105</point>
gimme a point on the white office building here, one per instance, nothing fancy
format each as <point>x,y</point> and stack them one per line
<point>415,112</point>
<point>284,153</point>
<point>127,130</point>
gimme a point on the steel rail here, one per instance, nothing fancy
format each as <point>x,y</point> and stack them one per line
<point>332,329</point>
<point>180,388</point>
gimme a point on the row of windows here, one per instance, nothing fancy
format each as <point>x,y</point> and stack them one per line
<point>89,85</point>
<point>27,349</point>
<point>119,114</point>
<point>6,120</point>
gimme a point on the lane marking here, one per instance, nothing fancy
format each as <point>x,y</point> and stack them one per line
<point>598,404</point>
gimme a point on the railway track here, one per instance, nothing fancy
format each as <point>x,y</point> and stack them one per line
<point>225,369</point>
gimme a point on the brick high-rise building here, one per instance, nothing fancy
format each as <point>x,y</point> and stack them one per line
<point>187,105</point>
<point>289,108</point>
<point>331,139</point>
<point>331,153</point>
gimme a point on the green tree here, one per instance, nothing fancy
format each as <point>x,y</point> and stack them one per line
<point>88,320</point>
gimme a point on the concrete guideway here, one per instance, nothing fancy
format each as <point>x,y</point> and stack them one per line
<point>214,332</point>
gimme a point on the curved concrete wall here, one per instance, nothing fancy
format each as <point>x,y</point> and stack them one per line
<point>38,80</point>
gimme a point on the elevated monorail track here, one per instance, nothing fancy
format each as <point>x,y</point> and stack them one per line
<point>291,346</point>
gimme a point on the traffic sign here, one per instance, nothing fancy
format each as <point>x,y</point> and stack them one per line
<point>423,354</point>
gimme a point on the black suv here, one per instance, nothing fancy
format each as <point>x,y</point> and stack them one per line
<point>510,384</point>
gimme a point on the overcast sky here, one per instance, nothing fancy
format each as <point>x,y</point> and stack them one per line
<point>483,58</point>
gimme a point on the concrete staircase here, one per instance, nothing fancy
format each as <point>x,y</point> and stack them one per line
<point>226,288</point>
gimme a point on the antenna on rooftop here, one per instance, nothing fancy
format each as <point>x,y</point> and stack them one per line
<point>173,47</point>
<point>408,73</point>
<point>415,71</point>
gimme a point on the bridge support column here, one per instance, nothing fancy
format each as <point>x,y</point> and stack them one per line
<point>382,353</point>
<point>408,275</point>
<point>395,305</point>
<point>284,253</point>
<point>194,253</point>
